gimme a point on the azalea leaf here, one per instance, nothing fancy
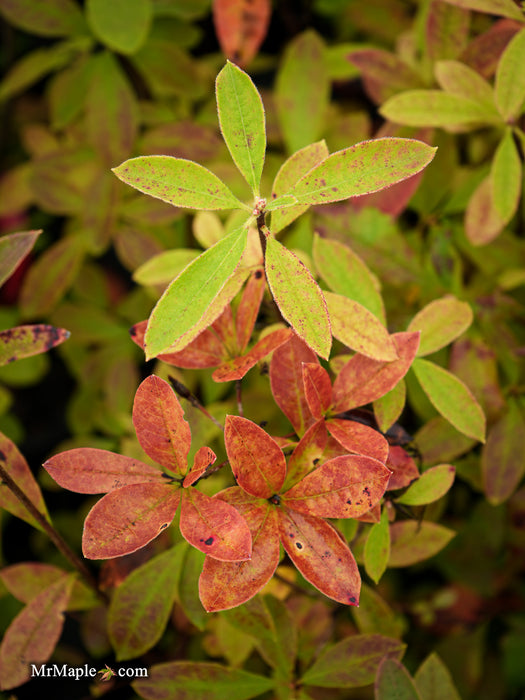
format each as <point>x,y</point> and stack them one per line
<point>389,407</point>
<point>257,461</point>
<point>431,485</point>
<point>241,27</point>
<point>183,311</point>
<point>177,181</point>
<point>204,458</point>
<point>239,366</point>
<point>436,108</point>
<point>248,308</point>
<point>358,438</point>
<point>51,19</point>
<point>506,177</point>
<point>402,465</point>
<point>241,118</point>
<point>124,26</point>
<point>224,585</point>
<point>13,249</point>
<point>367,167</point>
<point>159,422</point>
<point>298,297</point>
<point>25,341</point>
<point>413,542</point>
<point>394,681</point>
<point>214,527</point>
<point>321,556</point>
<point>91,470</point>
<point>32,635</point>
<point>433,680</point>
<point>127,519</point>
<point>377,548</point>
<point>440,322</point>
<point>307,453</point>
<point>317,388</point>
<point>344,487</point>
<point>509,88</point>
<point>363,380</point>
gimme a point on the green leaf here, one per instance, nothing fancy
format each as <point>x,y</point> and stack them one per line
<point>162,268</point>
<point>505,176</point>
<point>32,67</point>
<point>505,8</point>
<point>241,118</point>
<point>431,485</point>
<point>412,542</point>
<point>436,108</point>
<point>298,297</point>
<point>67,92</point>
<point>345,273</point>
<point>367,167</point>
<point>302,91</point>
<point>200,681</point>
<point>433,680</point>
<point>359,329</point>
<point>393,682</point>
<point>111,110</point>
<point>177,181</point>
<point>458,79</point>
<point>51,18</point>
<point>451,398</point>
<point>140,607</point>
<point>377,548</point>
<point>174,320</point>
<point>13,249</point>
<point>353,662</point>
<point>503,458</point>
<point>440,322</point>
<point>122,25</point>
<point>509,87</point>
<point>24,341</point>
<point>389,407</point>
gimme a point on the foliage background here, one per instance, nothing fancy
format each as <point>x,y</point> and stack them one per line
<point>82,92</point>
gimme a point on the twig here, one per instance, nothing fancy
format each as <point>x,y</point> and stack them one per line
<point>238,391</point>
<point>185,393</point>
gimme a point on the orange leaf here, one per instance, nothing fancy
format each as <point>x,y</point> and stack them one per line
<point>317,388</point>
<point>256,460</point>
<point>90,470</point>
<point>249,308</point>
<point>363,380</point>
<point>214,527</point>
<point>321,556</point>
<point>343,487</point>
<point>403,467</point>
<point>359,438</point>
<point>126,519</point>
<point>204,458</point>
<point>307,453</point>
<point>241,26</point>
<point>224,585</point>
<point>161,429</point>
<point>239,366</point>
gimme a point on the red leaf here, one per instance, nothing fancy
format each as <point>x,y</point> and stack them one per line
<point>161,429</point>
<point>307,453</point>
<point>343,487</point>
<point>239,366</point>
<point>403,467</point>
<point>286,380</point>
<point>214,527</point>
<point>89,470</point>
<point>126,519</point>
<point>249,308</point>
<point>363,380</point>
<point>256,460</point>
<point>32,635</point>
<point>321,556</point>
<point>241,26</point>
<point>207,350</point>
<point>317,388</point>
<point>204,458</point>
<point>359,438</point>
<point>224,585</point>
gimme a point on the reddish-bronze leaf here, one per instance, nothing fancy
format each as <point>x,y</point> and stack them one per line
<point>403,467</point>
<point>307,453</point>
<point>249,308</point>
<point>256,460</point>
<point>359,438</point>
<point>320,554</point>
<point>239,366</point>
<point>317,388</point>
<point>204,458</point>
<point>90,470</point>
<point>241,26</point>
<point>32,635</point>
<point>214,527</point>
<point>126,519</point>
<point>207,350</point>
<point>363,380</point>
<point>161,429</point>
<point>343,487</point>
<point>224,585</point>
<point>14,462</point>
<point>286,380</point>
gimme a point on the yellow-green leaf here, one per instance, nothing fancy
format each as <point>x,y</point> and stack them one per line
<point>440,322</point>
<point>377,548</point>
<point>505,177</point>
<point>122,25</point>
<point>509,87</point>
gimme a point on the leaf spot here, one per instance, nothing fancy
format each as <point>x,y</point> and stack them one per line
<point>209,541</point>
<point>298,545</point>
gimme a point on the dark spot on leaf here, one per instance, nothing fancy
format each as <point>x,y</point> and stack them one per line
<point>2,456</point>
<point>208,542</point>
<point>316,460</point>
<point>263,424</point>
<point>133,331</point>
<point>11,359</point>
<point>163,527</point>
<point>298,545</point>
<point>276,500</point>
<point>351,599</point>
<point>366,490</point>
<point>258,274</point>
<point>349,502</point>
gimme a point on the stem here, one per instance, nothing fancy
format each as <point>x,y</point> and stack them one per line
<point>53,535</point>
<point>185,393</point>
